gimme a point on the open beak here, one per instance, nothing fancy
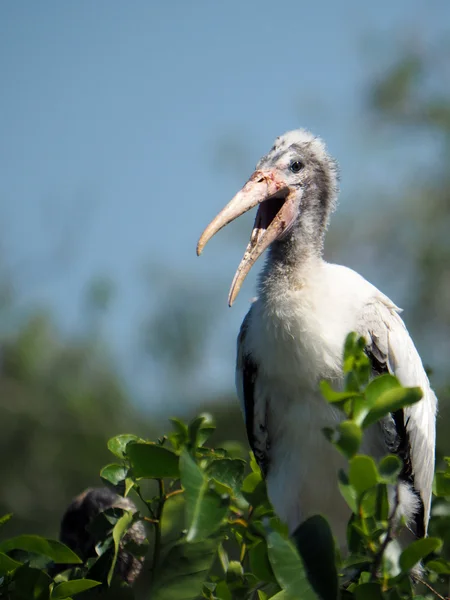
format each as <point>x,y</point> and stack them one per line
<point>275,215</point>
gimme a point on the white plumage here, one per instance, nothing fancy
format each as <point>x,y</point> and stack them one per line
<point>293,337</point>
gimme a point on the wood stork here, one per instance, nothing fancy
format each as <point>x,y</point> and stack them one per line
<point>293,337</point>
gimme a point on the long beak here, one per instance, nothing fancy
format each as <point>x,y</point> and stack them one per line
<point>270,223</point>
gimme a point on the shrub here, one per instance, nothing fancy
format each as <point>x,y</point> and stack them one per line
<point>212,532</point>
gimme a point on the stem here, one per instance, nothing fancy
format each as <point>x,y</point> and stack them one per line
<point>144,501</point>
<point>387,539</point>
<point>157,526</point>
<point>174,493</point>
<point>148,520</point>
<point>426,584</point>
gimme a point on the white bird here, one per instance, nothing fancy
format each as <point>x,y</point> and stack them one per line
<point>293,337</point>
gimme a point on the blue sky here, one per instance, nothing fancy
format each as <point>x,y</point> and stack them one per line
<point>112,113</point>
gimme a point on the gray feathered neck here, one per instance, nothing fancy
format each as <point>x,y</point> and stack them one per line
<point>303,244</point>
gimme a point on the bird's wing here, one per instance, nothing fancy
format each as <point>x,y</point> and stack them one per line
<point>411,431</point>
<point>253,402</point>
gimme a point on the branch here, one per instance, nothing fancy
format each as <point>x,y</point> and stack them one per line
<point>387,539</point>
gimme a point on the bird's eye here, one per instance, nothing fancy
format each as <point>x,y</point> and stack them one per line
<point>296,166</point>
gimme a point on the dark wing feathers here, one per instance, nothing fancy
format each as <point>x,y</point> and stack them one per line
<point>254,406</point>
<point>397,426</point>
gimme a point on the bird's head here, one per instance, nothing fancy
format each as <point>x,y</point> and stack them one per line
<point>294,186</point>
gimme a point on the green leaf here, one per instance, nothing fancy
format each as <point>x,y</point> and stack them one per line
<point>288,567</point>
<point>228,471</point>
<point>439,565</point>
<point>254,489</point>
<point>52,549</point>
<point>390,467</point>
<point>204,434</point>
<point>222,591</point>
<point>205,508</point>
<point>441,484</point>
<point>348,491</point>
<point>363,473</point>
<point>259,562</point>
<point>332,396</point>
<point>7,564</point>
<point>390,401</point>
<point>380,385</point>
<point>118,444</point>
<point>114,474</point>
<point>5,518</point>
<point>416,551</point>
<point>314,541</point>
<point>31,583</point>
<point>184,570</point>
<point>285,595</point>
<point>120,529</point>
<point>180,427</point>
<point>193,431</point>
<point>152,461</point>
<point>368,591</point>
<point>71,588</point>
<point>374,503</point>
<point>347,438</point>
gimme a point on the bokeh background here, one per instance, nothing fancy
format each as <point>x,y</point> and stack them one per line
<point>124,127</point>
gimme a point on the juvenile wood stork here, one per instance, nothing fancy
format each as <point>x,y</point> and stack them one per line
<point>293,337</point>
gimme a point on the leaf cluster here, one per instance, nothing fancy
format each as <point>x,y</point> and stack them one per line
<point>212,532</point>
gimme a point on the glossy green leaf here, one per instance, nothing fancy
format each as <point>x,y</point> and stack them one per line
<point>182,574</point>
<point>380,385</point>
<point>315,543</point>
<point>288,567</point>
<point>390,467</point>
<point>152,461</point>
<point>7,564</point>
<point>120,529</point>
<point>363,473</point>
<point>205,508</point>
<point>417,551</point>
<point>52,549</point>
<point>228,471</point>
<point>114,474</point>
<point>333,396</point>
<point>368,591</point>
<point>259,562</point>
<point>254,489</point>
<point>348,438</point>
<point>71,588</point>
<point>118,444</point>
<point>390,401</point>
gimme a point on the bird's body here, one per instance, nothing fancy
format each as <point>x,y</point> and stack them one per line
<point>293,337</point>
<point>294,340</point>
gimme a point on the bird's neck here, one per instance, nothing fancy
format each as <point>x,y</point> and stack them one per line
<point>291,260</point>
